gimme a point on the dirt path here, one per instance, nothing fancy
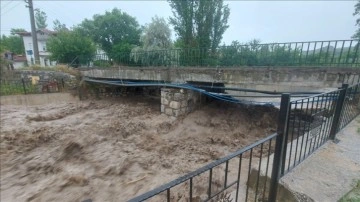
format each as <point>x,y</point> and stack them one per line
<point>113,150</point>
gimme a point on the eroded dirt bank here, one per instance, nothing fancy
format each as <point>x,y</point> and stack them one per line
<point>115,149</point>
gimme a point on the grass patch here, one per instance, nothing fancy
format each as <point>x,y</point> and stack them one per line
<point>11,89</point>
<point>353,195</point>
<point>16,89</point>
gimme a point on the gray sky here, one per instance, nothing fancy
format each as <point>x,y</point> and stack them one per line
<point>269,21</point>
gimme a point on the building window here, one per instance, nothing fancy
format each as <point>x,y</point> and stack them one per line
<point>44,47</point>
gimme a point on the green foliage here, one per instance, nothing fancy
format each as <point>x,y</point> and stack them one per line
<point>12,43</point>
<point>357,13</point>
<point>16,88</point>
<point>253,53</point>
<point>11,89</point>
<point>156,37</point>
<point>102,63</point>
<point>58,26</point>
<point>40,19</point>
<point>249,54</point>
<point>153,56</point>
<point>66,46</point>
<point>156,34</point>
<point>121,52</point>
<point>200,23</point>
<point>113,31</point>
<point>178,43</point>
<point>353,195</point>
<point>14,31</point>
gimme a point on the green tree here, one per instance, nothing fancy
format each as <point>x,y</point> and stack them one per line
<point>113,31</point>
<point>357,12</point>
<point>58,26</point>
<point>200,23</point>
<point>40,19</point>
<point>156,34</point>
<point>68,46</point>
<point>13,43</point>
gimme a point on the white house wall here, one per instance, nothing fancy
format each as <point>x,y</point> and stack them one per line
<point>28,43</point>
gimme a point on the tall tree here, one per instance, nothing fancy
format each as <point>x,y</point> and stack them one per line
<point>40,19</point>
<point>183,21</point>
<point>58,26</point>
<point>69,45</point>
<point>200,23</point>
<point>156,34</point>
<point>357,12</point>
<point>114,31</point>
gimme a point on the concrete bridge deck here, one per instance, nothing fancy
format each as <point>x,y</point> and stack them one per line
<point>259,78</point>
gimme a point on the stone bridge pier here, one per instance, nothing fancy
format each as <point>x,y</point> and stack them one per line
<point>176,102</point>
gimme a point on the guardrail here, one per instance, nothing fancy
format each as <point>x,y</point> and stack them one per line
<point>344,53</point>
<point>304,125</point>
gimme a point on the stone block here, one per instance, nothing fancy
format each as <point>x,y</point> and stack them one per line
<point>183,104</point>
<point>164,91</point>
<point>164,101</point>
<point>179,96</point>
<point>169,96</point>
<point>183,110</point>
<point>175,105</point>
<point>168,111</point>
<point>162,108</point>
<point>177,112</point>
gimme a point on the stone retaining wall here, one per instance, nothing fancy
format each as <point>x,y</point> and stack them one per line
<point>177,102</point>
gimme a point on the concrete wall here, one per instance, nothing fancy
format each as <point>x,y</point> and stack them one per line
<point>260,78</point>
<point>37,99</point>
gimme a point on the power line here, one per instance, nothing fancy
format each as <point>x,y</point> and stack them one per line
<point>4,13</point>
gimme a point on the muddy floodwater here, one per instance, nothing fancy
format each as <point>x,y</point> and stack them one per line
<point>115,149</point>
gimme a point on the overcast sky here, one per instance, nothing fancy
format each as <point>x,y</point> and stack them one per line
<point>269,21</point>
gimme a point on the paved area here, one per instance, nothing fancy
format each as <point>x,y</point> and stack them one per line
<point>332,170</point>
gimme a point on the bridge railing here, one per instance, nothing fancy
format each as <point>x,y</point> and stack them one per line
<point>344,53</point>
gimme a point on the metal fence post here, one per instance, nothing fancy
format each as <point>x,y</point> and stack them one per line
<point>23,82</point>
<point>279,145</point>
<point>338,110</point>
<point>63,84</point>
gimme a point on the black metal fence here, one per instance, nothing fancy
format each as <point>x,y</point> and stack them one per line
<point>28,86</point>
<point>308,127</point>
<point>303,126</point>
<point>351,106</point>
<point>343,53</point>
<point>224,178</point>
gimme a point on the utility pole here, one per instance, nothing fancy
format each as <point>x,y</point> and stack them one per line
<point>33,31</point>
